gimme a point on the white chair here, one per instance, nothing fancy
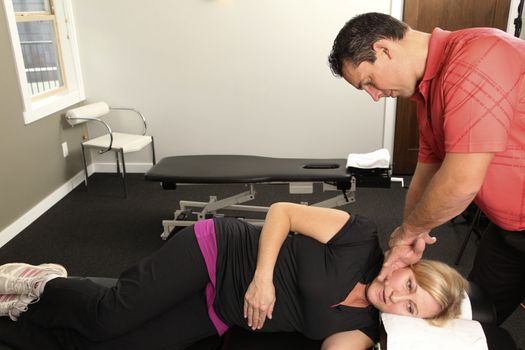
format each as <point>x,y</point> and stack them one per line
<point>120,143</point>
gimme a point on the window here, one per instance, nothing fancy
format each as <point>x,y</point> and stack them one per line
<point>36,24</point>
<point>46,55</point>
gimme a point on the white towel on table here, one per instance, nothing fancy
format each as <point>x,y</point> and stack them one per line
<point>376,159</point>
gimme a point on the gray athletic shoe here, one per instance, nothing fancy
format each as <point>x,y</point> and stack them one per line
<point>25,279</point>
<point>13,305</point>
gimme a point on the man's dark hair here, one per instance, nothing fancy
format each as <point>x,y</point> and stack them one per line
<point>355,40</point>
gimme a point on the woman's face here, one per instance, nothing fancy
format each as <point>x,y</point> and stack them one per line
<point>401,295</point>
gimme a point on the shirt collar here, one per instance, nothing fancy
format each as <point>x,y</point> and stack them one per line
<point>436,48</point>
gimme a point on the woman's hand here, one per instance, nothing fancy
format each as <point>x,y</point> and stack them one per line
<point>259,301</point>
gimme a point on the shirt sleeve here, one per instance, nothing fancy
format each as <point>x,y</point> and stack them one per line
<point>372,332</point>
<point>357,229</point>
<point>480,88</point>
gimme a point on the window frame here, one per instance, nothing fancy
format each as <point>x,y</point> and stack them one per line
<point>41,105</point>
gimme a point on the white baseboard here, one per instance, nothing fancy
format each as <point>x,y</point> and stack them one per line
<point>34,213</point>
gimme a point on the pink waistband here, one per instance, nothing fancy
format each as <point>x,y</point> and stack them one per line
<point>205,234</point>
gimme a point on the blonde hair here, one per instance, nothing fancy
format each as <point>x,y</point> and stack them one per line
<point>444,284</point>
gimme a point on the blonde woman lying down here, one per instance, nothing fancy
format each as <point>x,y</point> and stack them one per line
<point>225,272</point>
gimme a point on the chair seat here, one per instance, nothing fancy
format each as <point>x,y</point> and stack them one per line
<point>126,142</point>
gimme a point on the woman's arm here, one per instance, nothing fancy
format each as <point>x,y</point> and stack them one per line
<point>319,223</point>
<point>351,340</point>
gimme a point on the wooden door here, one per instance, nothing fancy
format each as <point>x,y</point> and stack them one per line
<point>425,15</point>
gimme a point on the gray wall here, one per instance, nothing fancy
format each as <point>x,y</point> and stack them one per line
<point>32,162</point>
<point>228,76</point>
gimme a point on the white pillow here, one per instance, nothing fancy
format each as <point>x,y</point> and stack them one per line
<point>409,333</point>
<point>466,308</point>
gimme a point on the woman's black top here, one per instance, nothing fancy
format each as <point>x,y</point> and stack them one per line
<point>310,278</point>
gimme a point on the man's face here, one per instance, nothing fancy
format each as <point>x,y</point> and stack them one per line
<point>383,78</point>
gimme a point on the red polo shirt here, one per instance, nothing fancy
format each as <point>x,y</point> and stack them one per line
<point>472,100</point>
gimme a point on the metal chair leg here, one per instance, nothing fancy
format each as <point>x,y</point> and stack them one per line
<point>85,165</point>
<point>153,150</point>
<point>118,163</point>
<point>124,173</point>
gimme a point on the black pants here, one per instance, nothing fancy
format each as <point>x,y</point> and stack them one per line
<point>157,304</point>
<point>499,268</point>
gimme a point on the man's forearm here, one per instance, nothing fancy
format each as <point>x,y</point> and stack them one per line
<point>441,201</point>
<point>422,177</point>
<point>447,194</point>
<point>450,191</point>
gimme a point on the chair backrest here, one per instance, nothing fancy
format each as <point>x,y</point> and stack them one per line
<point>87,112</point>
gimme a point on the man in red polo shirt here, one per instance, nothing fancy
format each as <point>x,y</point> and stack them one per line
<point>469,86</point>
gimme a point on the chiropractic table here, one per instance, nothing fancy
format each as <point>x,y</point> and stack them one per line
<point>299,173</point>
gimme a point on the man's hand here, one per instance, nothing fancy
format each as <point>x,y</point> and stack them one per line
<point>404,251</point>
<point>259,301</point>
